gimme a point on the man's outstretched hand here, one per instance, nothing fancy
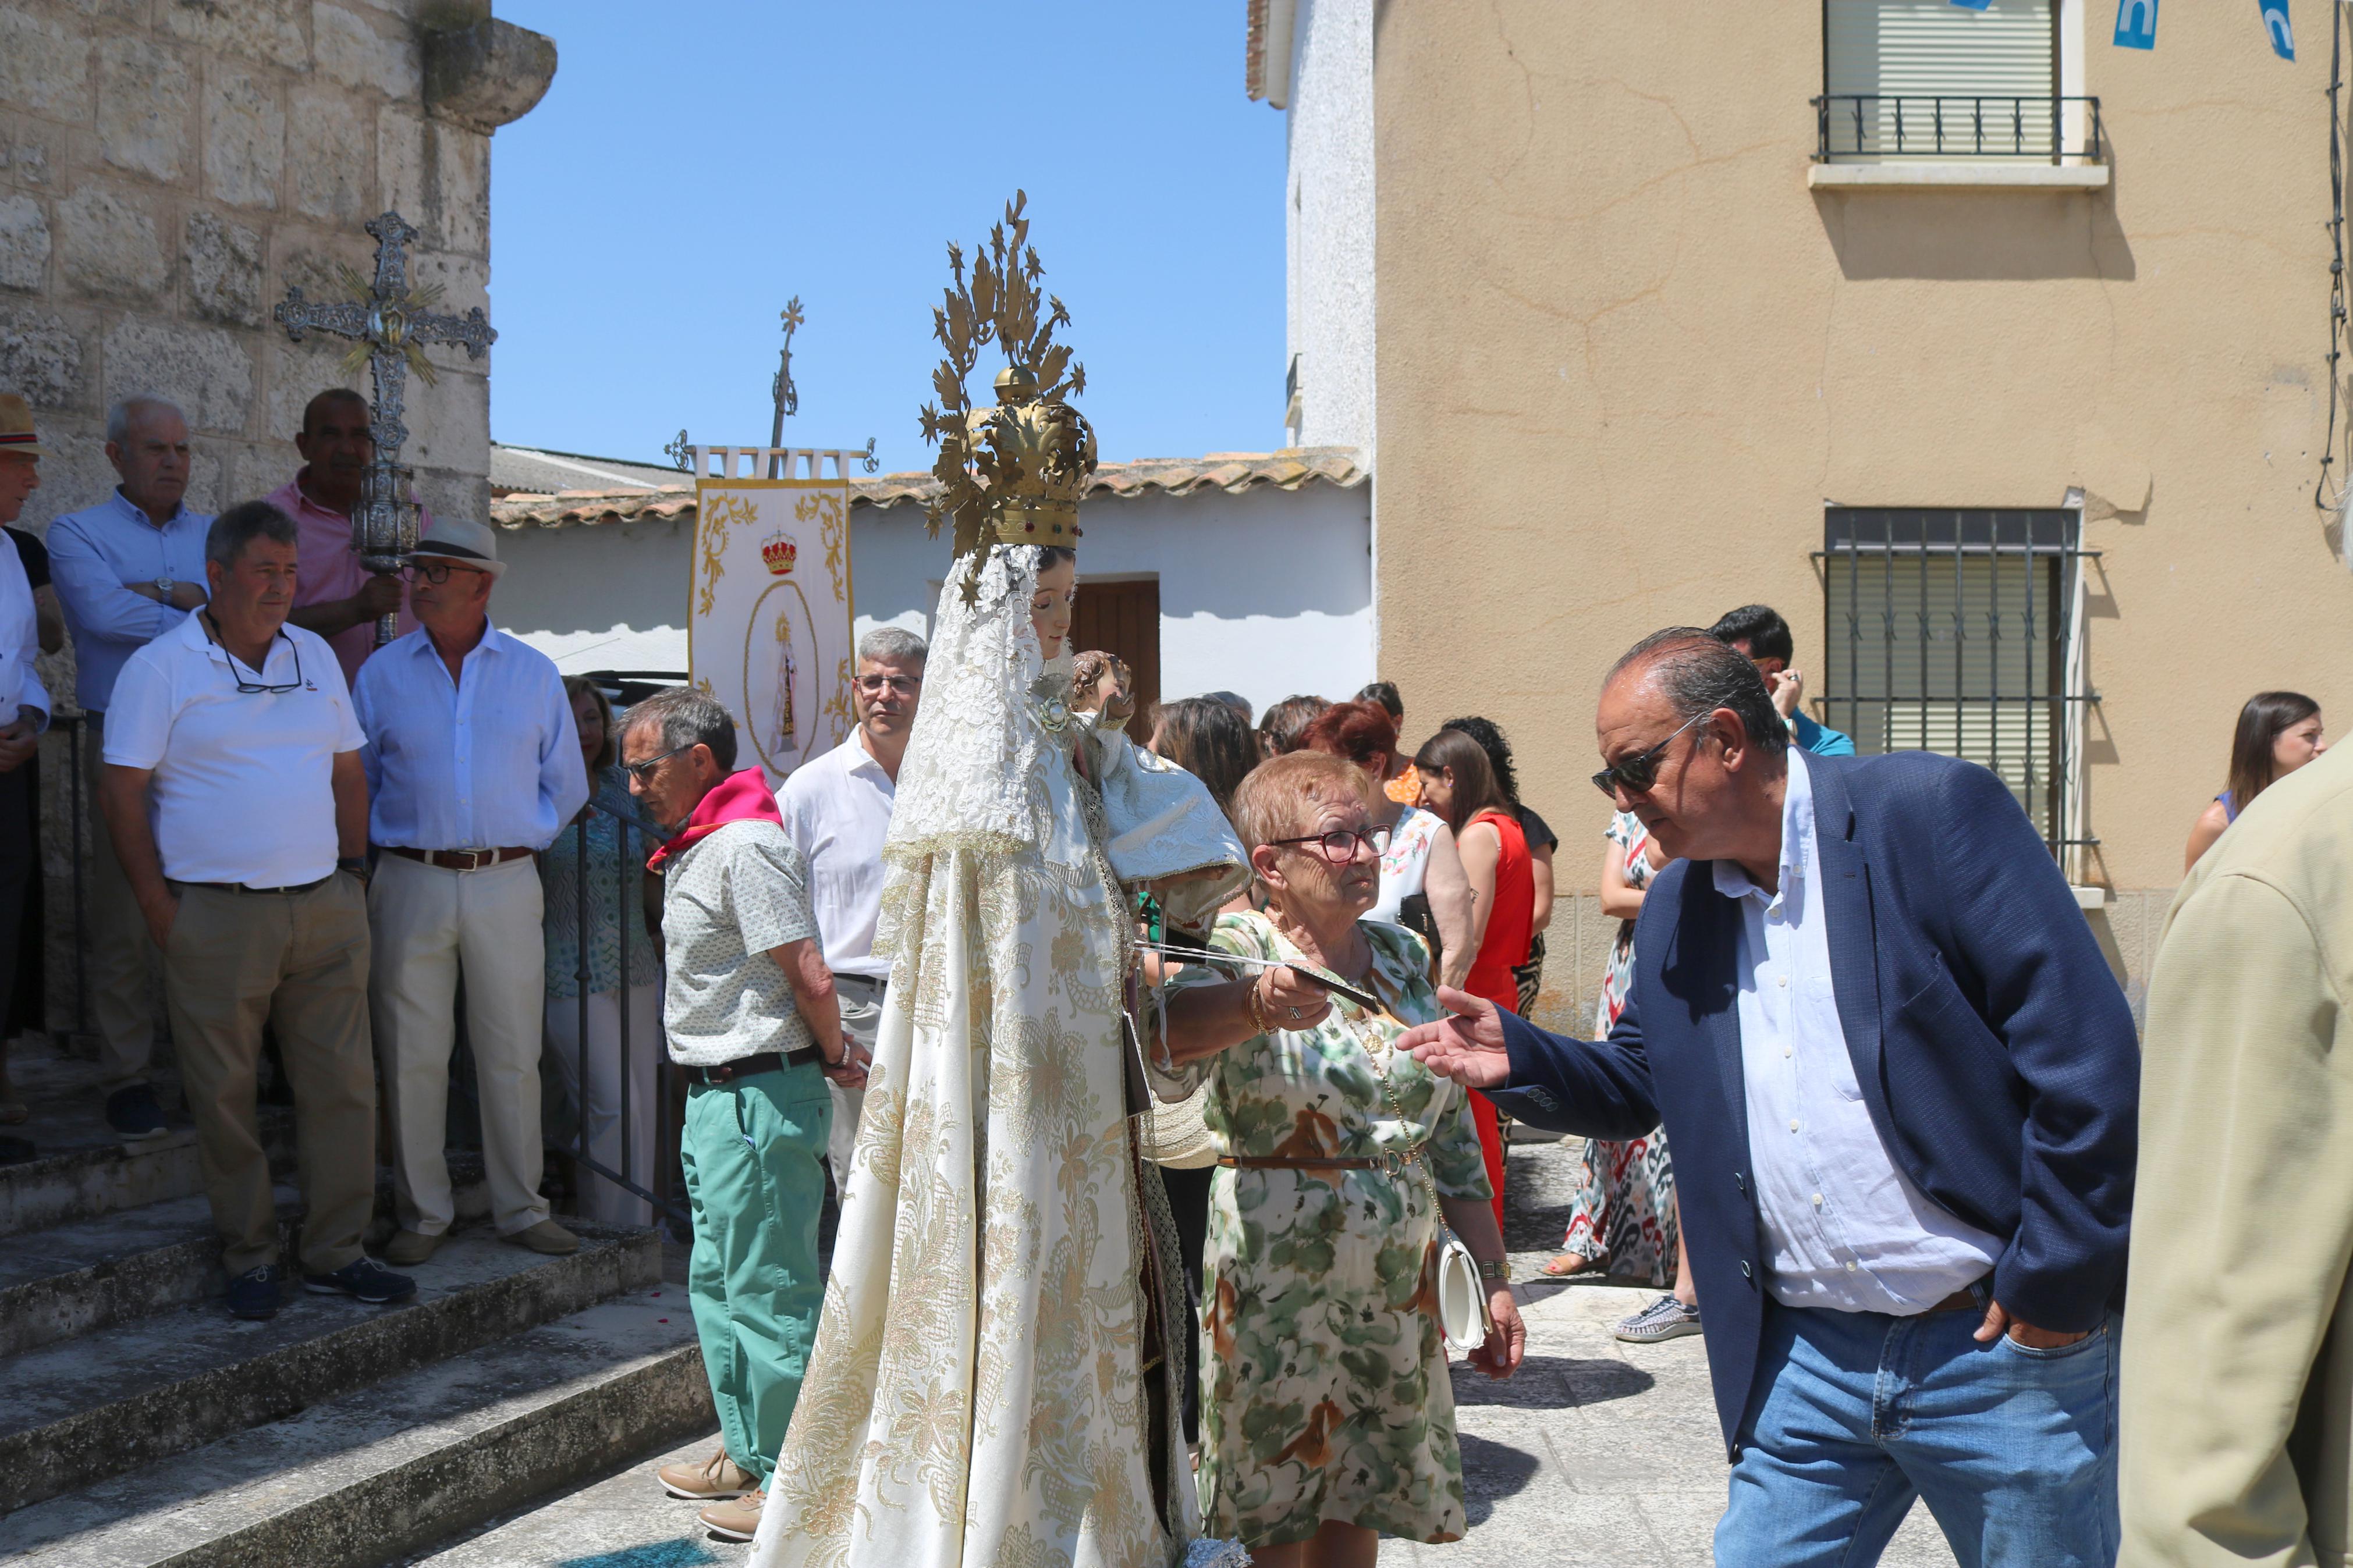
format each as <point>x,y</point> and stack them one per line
<point>1467,1047</point>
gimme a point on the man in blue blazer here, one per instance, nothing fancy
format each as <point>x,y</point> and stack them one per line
<point>1900,1083</point>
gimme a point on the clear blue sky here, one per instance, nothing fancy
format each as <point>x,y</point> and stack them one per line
<point>697,163</point>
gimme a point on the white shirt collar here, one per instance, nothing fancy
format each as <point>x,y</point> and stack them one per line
<point>131,510</point>
<point>490,642</point>
<point>1797,842</point>
<point>860,760</point>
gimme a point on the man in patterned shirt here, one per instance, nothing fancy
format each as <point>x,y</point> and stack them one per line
<point>750,1011</point>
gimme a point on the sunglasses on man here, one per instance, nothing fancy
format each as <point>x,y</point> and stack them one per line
<point>1638,773</point>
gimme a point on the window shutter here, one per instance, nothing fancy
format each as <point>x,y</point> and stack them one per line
<point>1915,52</point>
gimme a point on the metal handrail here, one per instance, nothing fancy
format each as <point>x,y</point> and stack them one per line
<point>1936,133</point>
<point>630,910</point>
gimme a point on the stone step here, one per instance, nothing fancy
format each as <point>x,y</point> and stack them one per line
<point>108,1402</point>
<point>93,1274</point>
<point>619,1517</point>
<point>368,1478</point>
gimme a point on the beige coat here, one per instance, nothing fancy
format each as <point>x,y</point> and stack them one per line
<point>2237,1441</point>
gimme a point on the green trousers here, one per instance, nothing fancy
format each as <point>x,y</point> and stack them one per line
<point>751,1151</point>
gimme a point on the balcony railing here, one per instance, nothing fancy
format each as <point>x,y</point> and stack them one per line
<point>1856,127</point>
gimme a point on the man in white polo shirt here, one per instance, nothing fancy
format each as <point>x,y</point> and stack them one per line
<point>473,764</point>
<point>239,807</point>
<point>837,810</point>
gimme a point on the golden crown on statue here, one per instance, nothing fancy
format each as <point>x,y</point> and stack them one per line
<point>1012,473</point>
<point>780,551</point>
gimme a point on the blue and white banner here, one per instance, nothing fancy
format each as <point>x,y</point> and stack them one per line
<point>2135,23</point>
<point>2275,24</point>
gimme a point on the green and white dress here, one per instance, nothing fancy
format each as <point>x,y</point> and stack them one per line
<point>1324,1393</point>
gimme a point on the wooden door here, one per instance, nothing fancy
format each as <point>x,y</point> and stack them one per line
<point>1122,617</point>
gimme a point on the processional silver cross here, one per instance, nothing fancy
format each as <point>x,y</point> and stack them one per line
<point>390,324</point>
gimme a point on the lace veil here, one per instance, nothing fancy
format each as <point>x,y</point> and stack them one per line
<point>967,779</point>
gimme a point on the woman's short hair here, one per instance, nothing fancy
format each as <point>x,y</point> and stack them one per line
<point>2267,716</point>
<point>1283,727</point>
<point>1452,751</point>
<point>1361,731</point>
<point>575,687</point>
<point>1384,692</point>
<point>1209,741</point>
<point>1279,798</point>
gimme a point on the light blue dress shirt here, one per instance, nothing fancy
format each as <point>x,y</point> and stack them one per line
<point>1844,1229</point>
<point>94,554</point>
<point>490,763</point>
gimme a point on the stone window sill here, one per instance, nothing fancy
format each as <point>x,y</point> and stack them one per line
<point>1957,176</point>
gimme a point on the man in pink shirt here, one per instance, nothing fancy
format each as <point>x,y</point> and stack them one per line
<point>334,596</point>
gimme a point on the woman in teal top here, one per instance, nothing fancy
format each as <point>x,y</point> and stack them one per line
<point>590,958</point>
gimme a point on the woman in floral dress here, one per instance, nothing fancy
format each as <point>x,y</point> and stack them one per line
<point>1623,1216</point>
<point>1326,1414</point>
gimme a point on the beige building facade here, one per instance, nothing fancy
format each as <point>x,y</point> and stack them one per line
<point>2019,425</point>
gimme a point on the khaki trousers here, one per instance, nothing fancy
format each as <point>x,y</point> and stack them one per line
<point>300,962</point>
<point>119,944</point>
<point>431,924</point>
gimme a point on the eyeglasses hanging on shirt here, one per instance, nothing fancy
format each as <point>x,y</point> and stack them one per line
<point>256,687</point>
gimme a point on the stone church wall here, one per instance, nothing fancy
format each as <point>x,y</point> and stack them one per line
<point>168,169</point>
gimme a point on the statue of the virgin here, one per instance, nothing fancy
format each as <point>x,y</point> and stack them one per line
<point>994,1381</point>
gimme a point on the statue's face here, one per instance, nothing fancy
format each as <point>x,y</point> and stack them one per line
<point>1051,607</point>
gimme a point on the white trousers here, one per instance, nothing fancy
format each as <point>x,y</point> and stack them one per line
<point>600,1105</point>
<point>860,1000</point>
<point>430,925</point>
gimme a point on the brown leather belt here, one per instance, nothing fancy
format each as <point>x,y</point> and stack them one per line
<point>746,1066</point>
<point>242,890</point>
<point>1964,1300</point>
<point>457,859</point>
<point>1276,1163</point>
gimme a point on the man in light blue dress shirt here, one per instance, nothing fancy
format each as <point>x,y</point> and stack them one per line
<point>127,570</point>
<point>473,764</point>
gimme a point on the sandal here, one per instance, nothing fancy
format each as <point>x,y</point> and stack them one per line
<point>1562,1265</point>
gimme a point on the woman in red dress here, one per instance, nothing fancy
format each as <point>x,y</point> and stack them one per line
<point>1459,785</point>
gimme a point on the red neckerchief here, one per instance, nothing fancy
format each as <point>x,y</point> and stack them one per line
<point>738,797</point>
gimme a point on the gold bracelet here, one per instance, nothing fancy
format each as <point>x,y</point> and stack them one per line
<point>1256,1008</point>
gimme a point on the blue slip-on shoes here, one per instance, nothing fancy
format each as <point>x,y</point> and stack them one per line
<point>254,1295</point>
<point>134,1113</point>
<point>363,1279</point>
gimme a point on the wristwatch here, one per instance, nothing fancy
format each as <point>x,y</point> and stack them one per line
<point>165,585</point>
<point>1492,1270</point>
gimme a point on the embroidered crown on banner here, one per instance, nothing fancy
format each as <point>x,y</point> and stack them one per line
<point>781,552</point>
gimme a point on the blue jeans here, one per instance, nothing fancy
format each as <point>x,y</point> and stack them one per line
<point>1858,1413</point>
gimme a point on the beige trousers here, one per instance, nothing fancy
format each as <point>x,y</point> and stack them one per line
<point>119,944</point>
<point>300,962</point>
<point>431,925</point>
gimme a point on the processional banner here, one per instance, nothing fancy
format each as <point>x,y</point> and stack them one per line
<point>768,608</point>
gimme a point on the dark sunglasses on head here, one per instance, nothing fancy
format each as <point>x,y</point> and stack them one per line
<point>1640,772</point>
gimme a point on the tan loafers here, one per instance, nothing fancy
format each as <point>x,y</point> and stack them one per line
<point>546,1236</point>
<point>737,1521</point>
<point>407,1249</point>
<point>715,1480</point>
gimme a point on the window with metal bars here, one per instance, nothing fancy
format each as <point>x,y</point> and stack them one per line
<point>1961,631</point>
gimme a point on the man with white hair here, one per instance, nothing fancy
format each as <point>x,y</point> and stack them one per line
<point>127,570</point>
<point>473,766</point>
<point>836,811</point>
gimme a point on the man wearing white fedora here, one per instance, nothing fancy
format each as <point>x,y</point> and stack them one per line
<point>472,764</point>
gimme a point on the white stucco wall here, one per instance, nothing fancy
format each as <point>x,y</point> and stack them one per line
<point>1329,222</point>
<point>1268,594</point>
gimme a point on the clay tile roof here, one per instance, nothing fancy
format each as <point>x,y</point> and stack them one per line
<point>1229,472</point>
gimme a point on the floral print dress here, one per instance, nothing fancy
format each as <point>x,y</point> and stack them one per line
<point>1625,1207</point>
<point>1324,1393</point>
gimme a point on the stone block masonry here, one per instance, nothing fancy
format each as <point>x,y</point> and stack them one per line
<point>168,168</point>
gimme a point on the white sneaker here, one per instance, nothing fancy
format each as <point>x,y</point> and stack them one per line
<point>1665,1319</point>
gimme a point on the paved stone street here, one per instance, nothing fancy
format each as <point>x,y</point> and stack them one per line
<point>1598,1454</point>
